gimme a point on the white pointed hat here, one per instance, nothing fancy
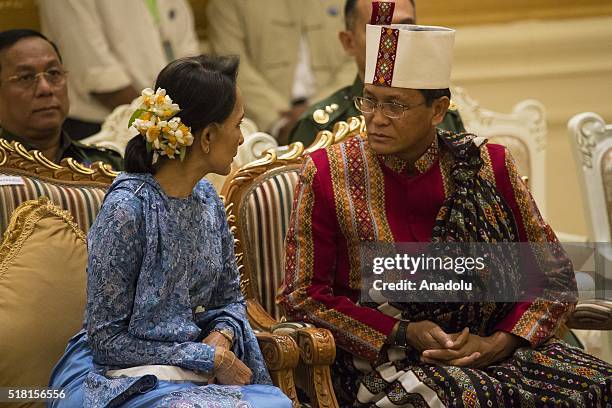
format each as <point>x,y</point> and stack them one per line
<point>409,56</point>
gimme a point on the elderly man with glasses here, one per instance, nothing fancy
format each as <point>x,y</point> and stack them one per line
<point>34,99</point>
<point>408,190</point>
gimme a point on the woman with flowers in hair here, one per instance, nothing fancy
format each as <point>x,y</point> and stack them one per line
<point>166,323</point>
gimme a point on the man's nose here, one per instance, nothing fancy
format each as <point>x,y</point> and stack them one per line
<point>378,117</point>
<point>42,86</point>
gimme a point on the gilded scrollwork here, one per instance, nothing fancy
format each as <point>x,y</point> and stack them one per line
<point>14,156</point>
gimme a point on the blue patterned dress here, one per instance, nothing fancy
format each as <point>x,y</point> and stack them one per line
<point>161,276</point>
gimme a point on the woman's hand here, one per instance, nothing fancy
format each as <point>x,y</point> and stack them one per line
<point>229,370</point>
<point>425,335</point>
<point>471,350</point>
<point>216,339</point>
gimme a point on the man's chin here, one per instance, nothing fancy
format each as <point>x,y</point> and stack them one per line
<point>46,123</point>
<point>382,148</point>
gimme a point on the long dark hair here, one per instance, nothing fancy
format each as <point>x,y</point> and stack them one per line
<point>204,87</point>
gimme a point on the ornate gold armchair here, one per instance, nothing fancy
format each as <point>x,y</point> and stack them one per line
<point>27,176</point>
<point>259,198</point>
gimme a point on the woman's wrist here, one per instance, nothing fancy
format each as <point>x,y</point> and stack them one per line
<point>220,357</point>
<point>224,359</point>
<point>225,332</point>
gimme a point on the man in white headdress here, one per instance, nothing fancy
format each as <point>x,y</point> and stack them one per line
<point>407,181</point>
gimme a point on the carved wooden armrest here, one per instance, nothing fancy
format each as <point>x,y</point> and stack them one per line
<point>317,352</point>
<point>592,315</point>
<point>281,355</point>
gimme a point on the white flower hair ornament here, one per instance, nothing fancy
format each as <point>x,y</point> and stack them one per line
<point>156,120</point>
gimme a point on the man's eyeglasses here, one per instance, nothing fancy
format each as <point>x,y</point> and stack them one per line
<point>55,77</point>
<point>389,109</point>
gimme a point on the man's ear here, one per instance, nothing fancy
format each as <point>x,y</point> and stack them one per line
<point>440,107</point>
<point>347,38</point>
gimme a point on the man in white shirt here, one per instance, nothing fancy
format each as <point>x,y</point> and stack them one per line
<point>288,55</point>
<point>114,48</point>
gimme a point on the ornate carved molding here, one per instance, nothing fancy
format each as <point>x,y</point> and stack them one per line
<point>317,352</point>
<point>535,118</point>
<point>588,130</point>
<point>260,319</point>
<point>14,156</point>
<point>280,351</point>
<point>531,111</point>
<point>317,346</point>
<point>281,356</point>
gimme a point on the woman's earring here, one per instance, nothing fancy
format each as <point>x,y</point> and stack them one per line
<point>207,150</point>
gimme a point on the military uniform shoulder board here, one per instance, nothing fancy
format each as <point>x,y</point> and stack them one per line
<point>321,115</point>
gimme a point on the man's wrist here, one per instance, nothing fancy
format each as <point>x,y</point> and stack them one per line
<point>391,337</point>
<point>397,337</point>
<point>505,341</point>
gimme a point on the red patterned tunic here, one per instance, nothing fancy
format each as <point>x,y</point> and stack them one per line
<point>347,195</point>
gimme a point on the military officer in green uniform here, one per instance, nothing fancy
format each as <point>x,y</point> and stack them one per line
<point>34,100</point>
<point>340,106</point>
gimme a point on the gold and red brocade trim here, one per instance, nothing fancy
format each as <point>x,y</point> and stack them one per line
<point>355,337</point>
<point>428,158</point>
<point>486,172</point>
<point>394,163</point>
<point>423,163</point>
<point>358,185</point>
<point>446,165</point>
<point>541,320</point>
<point>543,317</point>
<point>530,215</point>
<point>299,256</point>
<point>382,12</point>
<point>299,266</point>
<point>377,194</point>
<point>385,61</point>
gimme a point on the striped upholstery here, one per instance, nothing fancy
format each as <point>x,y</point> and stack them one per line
<point>82,199</point>
<point>264,218</point>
